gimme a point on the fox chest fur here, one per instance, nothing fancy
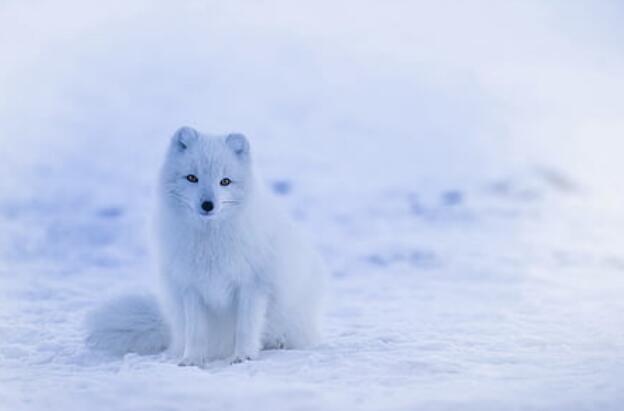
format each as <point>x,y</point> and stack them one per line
<point>215,262</point>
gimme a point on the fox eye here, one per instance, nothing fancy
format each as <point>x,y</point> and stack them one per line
<point>192,178</point>
<point>225,182</point>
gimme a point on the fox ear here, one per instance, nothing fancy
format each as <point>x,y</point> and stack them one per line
<point>184,137</point>
<point>238,143</point>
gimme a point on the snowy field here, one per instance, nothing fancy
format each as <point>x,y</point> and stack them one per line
<point>458,164</point>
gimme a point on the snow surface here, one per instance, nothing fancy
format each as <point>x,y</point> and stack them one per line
<point>458,164</point>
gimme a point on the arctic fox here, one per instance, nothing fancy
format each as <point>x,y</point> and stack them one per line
<point>236,278</point>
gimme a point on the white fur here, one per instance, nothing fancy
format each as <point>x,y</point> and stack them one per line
<point>235,280</point>
<point>128,324</point>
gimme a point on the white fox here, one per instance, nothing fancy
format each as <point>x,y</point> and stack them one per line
<point>235,276</point>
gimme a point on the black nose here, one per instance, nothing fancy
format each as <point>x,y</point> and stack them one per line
<point>207,206</point>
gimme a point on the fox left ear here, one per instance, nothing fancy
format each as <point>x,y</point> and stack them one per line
<point>238,143</point>
<point>184,137</point>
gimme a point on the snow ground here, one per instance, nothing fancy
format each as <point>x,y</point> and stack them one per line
<point>457,165</point>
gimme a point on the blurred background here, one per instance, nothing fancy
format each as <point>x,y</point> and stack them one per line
<point>445,93</point>
<point>458,163</point>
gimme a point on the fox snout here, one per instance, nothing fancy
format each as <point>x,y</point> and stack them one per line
<point>207,207</point>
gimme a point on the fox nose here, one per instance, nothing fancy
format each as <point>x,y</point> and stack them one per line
<point>207,206</point>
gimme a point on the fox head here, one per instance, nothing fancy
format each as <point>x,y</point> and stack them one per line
<point>208,177</point>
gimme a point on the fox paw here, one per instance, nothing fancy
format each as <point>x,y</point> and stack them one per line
<point>276,344</point>
<point>191,362</point>
<point>238,359</point>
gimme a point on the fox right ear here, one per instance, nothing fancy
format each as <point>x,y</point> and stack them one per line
<point>184,137</point>
<point>239,143</point>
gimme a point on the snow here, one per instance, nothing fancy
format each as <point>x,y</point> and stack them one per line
<point>457,164</point>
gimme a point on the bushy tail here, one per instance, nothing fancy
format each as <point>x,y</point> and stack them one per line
<point>128,324</point>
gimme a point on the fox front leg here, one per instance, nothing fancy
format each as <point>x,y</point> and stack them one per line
<point>195,332</point>
<point>250,318</point>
